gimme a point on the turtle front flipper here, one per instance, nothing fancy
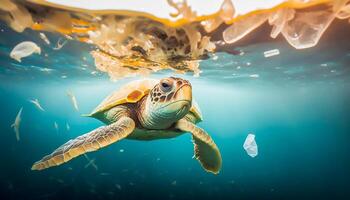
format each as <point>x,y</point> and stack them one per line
<point>88,142</point>
<point>205,150</point>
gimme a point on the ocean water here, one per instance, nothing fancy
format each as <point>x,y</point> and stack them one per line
<point>296,103</point>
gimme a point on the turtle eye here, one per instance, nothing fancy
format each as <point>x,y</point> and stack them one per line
<point>165,85</point>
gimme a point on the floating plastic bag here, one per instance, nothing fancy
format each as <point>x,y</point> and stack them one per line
<point>250,145</point>
<point>24,49</point>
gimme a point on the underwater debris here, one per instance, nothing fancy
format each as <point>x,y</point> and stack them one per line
<point>43,37</point>
<point>254,76</point>
<point>91,162</point>
<point>250,145</point>
<point>132,43</point>
<point>59,45</point>
<point>173,183</point>
<point>24,49</point>
<point>44,69</point>
<point>241,28</point>
<point>55,125</point>
<point>119,187</point>
<point>121,150</point>
<point>73,100</point>
<point>59,180</point>
<point>270,53</point>
<point>37,104</point>
<point>67,126</point>
<point>17,123</point>
<point>105,174</point>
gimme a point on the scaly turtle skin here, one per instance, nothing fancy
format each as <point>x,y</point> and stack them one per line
<point>143,110</point>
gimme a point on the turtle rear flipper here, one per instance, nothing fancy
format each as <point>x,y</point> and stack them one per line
<point>88,142</point>
<point>205,150</point>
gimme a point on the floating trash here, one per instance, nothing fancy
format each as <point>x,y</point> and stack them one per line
<point>118,186</point>
<point>59,45</point>
<point>24,49</point>
<point>17,123</point>
<point>43,37</point>
<point>73,100</point>
<point>270,53</point>
<point>250,145</point>
<point>37,104</point>
<point>67,126</point>
<point>254,76</point>
<point>174,183</point>
<point>91,162</point>
<point>55,125</point>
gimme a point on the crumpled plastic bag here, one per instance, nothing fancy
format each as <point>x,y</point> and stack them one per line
<point>250,145</point>
<point>24,49</point>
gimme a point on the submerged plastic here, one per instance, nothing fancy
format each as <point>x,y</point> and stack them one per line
<point>250,145</point>
<point>24,49</point>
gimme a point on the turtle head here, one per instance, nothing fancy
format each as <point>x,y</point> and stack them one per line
<point>169,101</point>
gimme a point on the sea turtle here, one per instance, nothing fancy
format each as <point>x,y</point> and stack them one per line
<point>143,110</point>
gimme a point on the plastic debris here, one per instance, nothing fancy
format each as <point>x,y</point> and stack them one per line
<point>59,45</point>
<point>37,104</point>
<point>24,49</point>
<point>121,150</point>
<point>17,123</point>
<point>67,126</point>
<point>279,19</point>
<point>241,28</point>
<point>118,186</point>
<point>43,37</point>
<point>250,145</point>
<point>270,53</point>
<point>90,162</point>
<point>173,183</point>
<point>56,126</point>
<point>306,29</point>
<point>254,76</point>
<point>73,100</point>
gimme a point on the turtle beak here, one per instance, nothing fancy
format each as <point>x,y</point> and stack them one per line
<point>184,93</point>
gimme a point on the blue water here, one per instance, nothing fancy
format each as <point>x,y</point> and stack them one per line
<point>298,108</point>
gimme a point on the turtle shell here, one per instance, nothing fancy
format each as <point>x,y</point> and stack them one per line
<point>129,93</point>
<point>132,93</point>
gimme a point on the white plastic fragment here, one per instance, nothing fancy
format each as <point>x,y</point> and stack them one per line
<point>37,104</point>
<point>17,123</point>
<point>24,49</point>
<point>91,162</point>
<point>55,125</point>
<point>250,145</point>
<point>59,45</point>
<point>270,53</point>
<point>73,100</point>
<point>254,76</point>
<point>43,37</point>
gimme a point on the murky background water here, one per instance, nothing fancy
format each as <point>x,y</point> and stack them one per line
<point>296,103</point>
